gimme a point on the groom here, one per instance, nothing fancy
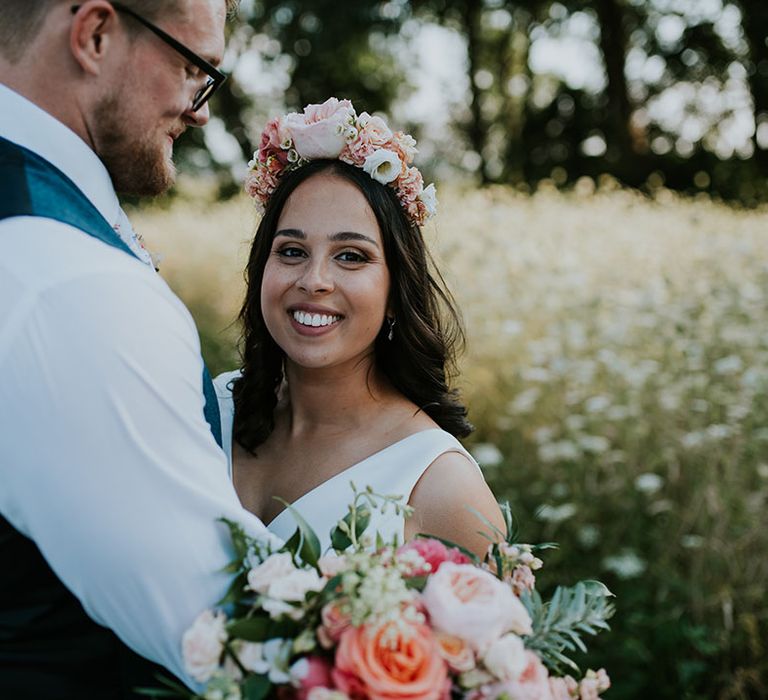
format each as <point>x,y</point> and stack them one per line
<point>111,478</point>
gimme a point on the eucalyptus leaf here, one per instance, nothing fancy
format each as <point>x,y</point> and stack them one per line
<point>341,535</point>
<point>235,591</point>
<point>253,629</point>
<point>308,545</point>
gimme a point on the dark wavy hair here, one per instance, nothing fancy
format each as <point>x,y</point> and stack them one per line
<point>419,361</point>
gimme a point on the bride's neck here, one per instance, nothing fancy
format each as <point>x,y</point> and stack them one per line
<point>336,399</point>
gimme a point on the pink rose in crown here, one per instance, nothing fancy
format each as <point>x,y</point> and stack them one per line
<point>274,138</point>
<point>433,552</point>
<point>320,132</point>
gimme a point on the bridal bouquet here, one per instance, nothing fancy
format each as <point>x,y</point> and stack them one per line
<point>374,619</point>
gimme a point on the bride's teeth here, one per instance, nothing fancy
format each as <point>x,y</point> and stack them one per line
<point>314,320</point>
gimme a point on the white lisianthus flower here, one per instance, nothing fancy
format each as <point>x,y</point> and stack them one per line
<point>273,568</point>
<point>251,656</point>
<point>277,652</point>
<point>428,198</point>
<point>506,658</point>
<point>279,608</point>
<point>295,585</point>
<point>203,643</point>
<point>383,165</point>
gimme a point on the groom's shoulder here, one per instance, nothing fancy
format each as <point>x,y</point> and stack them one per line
<point>50,268</point>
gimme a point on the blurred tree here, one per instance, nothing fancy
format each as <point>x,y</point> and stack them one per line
<point>337,49</point>
<point>755,26</point>
<point>519,126</point>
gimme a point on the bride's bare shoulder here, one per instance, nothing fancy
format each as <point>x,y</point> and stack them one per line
<point>445,500</point>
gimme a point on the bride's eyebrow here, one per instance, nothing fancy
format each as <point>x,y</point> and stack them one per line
<point>292,233</point>
<point>352,236</point>
<point>340,236</point>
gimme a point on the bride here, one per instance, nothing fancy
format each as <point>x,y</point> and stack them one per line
<point>348,339</point>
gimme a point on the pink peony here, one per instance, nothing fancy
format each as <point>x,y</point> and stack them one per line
<point>473,604</point>
<point>390,662</point>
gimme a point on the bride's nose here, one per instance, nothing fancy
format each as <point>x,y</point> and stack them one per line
<point>316,277</point>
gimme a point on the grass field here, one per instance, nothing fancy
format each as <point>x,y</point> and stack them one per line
<point>617,373</point>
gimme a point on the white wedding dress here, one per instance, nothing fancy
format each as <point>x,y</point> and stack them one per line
<point>393,470</point>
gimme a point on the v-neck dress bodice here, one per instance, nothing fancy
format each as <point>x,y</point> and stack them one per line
<point>392,470</point>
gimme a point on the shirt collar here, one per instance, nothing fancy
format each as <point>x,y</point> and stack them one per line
<point>26,124</point>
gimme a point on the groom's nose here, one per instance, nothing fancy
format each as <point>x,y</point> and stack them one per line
<point>199,118</point>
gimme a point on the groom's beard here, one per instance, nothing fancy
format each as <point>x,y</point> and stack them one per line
<point>139,163</point>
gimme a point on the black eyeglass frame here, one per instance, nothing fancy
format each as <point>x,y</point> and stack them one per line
<point>215,77</point>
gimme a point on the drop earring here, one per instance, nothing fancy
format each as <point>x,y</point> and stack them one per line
<point>391,322</point>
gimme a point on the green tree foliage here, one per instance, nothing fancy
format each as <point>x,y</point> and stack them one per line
<point>523,126</point>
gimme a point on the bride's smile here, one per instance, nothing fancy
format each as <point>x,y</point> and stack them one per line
<point>326,284</point>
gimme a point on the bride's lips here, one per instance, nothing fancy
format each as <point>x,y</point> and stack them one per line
<point>311,320</point>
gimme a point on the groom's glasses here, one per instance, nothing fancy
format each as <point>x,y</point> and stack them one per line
<point>215,76</point>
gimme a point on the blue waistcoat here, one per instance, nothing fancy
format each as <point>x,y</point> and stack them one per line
<point>49,648</point>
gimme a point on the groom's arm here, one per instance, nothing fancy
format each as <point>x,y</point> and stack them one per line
<point>106,460</point>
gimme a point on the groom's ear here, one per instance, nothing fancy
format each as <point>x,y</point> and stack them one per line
<point>93,32</point>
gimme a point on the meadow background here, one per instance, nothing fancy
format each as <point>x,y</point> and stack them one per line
<point>617,374</point>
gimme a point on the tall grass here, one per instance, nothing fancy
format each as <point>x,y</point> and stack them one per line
<point>617,372</point>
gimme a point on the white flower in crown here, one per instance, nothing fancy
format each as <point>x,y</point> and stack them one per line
<point>428,197</point>
<point>383,166</point>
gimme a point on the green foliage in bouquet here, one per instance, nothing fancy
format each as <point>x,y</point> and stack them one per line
<point>263,640</point>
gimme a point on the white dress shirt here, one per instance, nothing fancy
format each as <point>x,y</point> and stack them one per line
<point>106,460</point>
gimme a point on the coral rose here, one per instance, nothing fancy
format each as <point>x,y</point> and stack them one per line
<point>393,661</point>
<point>470,603</point>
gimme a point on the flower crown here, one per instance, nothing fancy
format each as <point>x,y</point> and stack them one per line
<point>333,130</point>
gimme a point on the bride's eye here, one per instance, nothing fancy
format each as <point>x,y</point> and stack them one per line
<point>290,253</point>
<point>351,256</point>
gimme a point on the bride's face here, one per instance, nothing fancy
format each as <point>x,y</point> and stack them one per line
<point>326,283</point>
